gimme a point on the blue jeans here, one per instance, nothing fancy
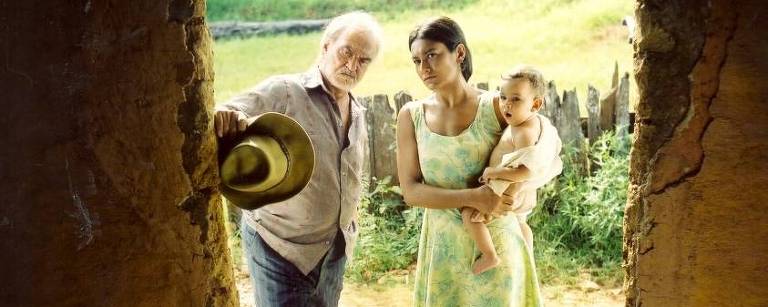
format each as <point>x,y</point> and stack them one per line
<point>277,282</point>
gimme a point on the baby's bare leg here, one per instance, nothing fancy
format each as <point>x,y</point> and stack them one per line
<point>482,237</point>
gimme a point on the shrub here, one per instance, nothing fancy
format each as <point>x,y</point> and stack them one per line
<point>388,233</point>
<point>578,223</point>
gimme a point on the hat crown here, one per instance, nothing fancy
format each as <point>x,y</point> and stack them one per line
<point>269,162</point>
<point>257,164</point>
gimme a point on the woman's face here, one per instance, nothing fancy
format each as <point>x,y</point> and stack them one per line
<point>435,65</point>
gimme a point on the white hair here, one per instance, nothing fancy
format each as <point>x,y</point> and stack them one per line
<point>357,20</point>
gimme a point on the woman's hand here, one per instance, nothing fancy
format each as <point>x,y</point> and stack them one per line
<point>484,200</point>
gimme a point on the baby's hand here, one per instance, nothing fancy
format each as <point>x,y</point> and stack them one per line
<point>486,175</point>
<point>479,217</point>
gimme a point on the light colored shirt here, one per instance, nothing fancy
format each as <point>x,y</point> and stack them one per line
<point>302,228</point>
<point>542,160</point>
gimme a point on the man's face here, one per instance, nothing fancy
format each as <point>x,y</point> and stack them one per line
<point>345,60</point>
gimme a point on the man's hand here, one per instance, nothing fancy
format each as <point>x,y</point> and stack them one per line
<point>229,122</point>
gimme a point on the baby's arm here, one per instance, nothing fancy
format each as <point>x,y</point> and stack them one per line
<point>513,174</point>
<point>523,137</point>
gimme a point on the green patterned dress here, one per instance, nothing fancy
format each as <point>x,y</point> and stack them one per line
<point>446,251</point>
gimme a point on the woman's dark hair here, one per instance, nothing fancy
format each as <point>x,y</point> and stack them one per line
<point>446,31</point>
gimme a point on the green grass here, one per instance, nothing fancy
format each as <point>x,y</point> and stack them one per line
<point>574,43</point>
<point>262,10</point>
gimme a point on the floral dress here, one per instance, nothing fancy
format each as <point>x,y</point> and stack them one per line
<point>446,251</point>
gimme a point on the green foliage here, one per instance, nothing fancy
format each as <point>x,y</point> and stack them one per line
<point>388,233</point>
<point>260,10</point>
<point>578,223</point>
<point>232,227</point>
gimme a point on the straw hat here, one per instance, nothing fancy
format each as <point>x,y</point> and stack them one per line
<point>271,161</point>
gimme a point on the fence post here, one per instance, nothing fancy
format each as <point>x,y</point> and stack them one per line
<point>552,103</point>
<point>381,138</point>
<point>593,111</point>
<point>622,106</point>
<point>401,98</point>
<point>366,101</point>
<point>569,120</point>
<point>608,103</point>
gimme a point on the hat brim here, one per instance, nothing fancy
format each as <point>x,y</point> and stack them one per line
<point>298,148</point>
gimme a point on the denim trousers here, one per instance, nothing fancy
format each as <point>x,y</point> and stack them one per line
<point>277,282</point>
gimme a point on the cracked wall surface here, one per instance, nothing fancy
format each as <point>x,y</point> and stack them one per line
<point>694,227</point>
<point>107,156</point>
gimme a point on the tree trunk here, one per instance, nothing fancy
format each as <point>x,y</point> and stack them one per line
<point>695,225</point>
<point>107,159</point>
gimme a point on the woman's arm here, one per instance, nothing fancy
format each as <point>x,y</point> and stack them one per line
<point>419,194</point>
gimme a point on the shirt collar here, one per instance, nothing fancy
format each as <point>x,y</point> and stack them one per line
<point>313,79</point>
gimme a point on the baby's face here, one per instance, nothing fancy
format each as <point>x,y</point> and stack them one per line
<point>516,100</point>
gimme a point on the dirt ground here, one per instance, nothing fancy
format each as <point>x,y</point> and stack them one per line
<point>396,291</point>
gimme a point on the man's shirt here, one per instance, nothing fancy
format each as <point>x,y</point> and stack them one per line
<point>302,228</point>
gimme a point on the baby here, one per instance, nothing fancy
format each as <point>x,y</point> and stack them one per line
<point>526,157</point>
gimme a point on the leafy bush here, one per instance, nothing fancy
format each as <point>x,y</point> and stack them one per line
<point>578,223</point>
<point>388,233</point>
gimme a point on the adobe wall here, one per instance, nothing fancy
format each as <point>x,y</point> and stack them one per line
<point>695,225</point>
<point>107,156</point>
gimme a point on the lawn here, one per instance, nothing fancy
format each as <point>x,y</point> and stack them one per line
<point>574,43</point>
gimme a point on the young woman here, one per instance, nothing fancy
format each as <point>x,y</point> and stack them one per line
<point>444,142</point>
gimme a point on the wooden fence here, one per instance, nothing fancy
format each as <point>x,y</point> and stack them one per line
<point>606,113</point>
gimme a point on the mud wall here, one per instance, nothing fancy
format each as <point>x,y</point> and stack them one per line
<point>107,167</point>
<point>695,226</point>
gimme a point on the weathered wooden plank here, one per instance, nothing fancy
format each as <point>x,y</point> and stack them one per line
<point>401,98</point>
<point>622,106</point>
<point>367,102</point>
<point>593,114</point>
<point>381,128</point>
<point>552,103</point>
<point>608,103</point>
<point>568,121</point>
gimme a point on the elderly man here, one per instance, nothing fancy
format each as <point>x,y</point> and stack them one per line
<point>297,249</point>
